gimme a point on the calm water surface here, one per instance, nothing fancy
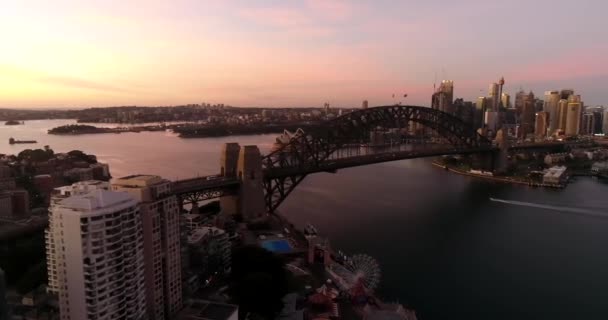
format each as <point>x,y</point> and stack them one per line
<point>444,247</point>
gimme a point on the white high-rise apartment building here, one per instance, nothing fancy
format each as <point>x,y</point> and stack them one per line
<point>162,246</point>
<point>95,253</point>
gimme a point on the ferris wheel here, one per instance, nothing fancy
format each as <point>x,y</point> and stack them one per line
<point>362,269</point>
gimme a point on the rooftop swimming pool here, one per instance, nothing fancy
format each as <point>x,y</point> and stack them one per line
<point>277,246</point>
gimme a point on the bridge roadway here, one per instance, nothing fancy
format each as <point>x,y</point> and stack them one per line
<point>332,165</point>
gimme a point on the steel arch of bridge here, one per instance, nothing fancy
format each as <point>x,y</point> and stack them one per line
<point>313,147</point>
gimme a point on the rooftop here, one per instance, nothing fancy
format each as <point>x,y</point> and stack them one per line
<point>95,199</point>
<point>200,233</point>
<point>207,310</point>
<point>138,180</point>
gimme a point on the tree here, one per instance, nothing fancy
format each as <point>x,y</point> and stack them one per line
<point>258,282</point>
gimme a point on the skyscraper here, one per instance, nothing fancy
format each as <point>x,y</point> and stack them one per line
<point>573,119</point>
<point>493,96</point>
<point>551,105</point>
<point>541,125</point>
<point>443,98</point>
<point>598,119</point>
<point>480,110</point>
<point>364,104</point>
<point>527,117</point>
<point>506,100</point>
<point>95,254</point>
<point>562,114</point>
<point>566,93</point>
<point>587,124</point>
<point>161,242</point>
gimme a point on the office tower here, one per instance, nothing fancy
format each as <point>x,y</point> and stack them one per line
<point>573,118</point>
<point>506,100</point>
<point>520,98</point>
<point>491,120</point>
<point>587,123</point>
<point>161,238</point>
<point>598,119</point>
<point>480,110</point>
<point>551,106</point>
<point>444,96</point>
<point>364,104</point>
<point>562,114</point>
<point>527,118</point>
<point>96,250</point>
<point>566,93</point>
<point>542,124</point>
<point>493,96</point>
<point>3,303</point>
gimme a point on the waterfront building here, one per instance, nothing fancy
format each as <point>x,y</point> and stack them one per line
<point>554,175</point>
<point>541,124</point>
<point>364,104</point>
<point>587,124</point>
<point>556,158</point>
<point>161,242</point>
<point>95,255</point>
<point>573,119</point>
<point>551,105</point>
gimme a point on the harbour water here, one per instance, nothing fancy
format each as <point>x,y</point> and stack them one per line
<point>449,246</point>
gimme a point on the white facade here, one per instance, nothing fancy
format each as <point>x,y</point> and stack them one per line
<point>161,242</point>
<point>95,254</point>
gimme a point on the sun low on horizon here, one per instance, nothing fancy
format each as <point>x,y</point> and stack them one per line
<point>69,53</point>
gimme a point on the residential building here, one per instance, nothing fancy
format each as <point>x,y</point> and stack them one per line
<point>95,254</point>
<point>541,124</point>
<point>161,236</point>
<point>210,250</point>
<point>573,119</point>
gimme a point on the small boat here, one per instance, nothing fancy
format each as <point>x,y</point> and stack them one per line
<point>13,141</point>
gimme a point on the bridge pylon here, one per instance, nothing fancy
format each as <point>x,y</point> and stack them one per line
<point>245,164</point>
<point>229,160</point>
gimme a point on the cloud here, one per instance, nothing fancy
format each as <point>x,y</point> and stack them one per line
<point>334,10</point>
<point>80,84</point>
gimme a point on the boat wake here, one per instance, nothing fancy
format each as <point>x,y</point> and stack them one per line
<point>561,209</point>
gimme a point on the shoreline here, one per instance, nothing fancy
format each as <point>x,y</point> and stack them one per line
<point>499,179</point>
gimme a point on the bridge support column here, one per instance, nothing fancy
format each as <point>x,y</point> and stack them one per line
<point>251,195</point>
<point>228,163</point>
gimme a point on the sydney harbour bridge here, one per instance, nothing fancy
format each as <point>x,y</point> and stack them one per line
<point>251,184</point>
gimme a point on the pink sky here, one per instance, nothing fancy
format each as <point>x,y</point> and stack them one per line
<point>70,53</point>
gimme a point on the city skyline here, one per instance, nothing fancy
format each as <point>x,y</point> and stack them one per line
<point>301,54</point>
